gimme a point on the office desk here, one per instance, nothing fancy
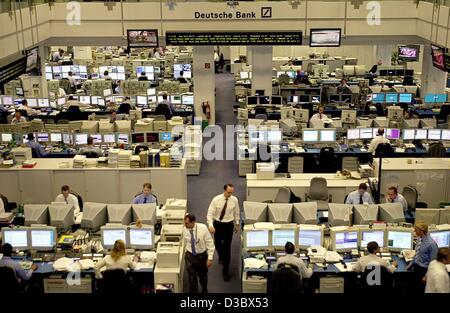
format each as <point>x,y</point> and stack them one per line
<point>431,177</point>
<point>262,190</point>
<point>111,185</point>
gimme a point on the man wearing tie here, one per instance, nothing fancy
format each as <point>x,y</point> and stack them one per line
<point>320,115</point>
<point>146,196</point>
<point>199,253</point>
<point>359,196</point>
<point>223,218</point>
<point>66,197</point>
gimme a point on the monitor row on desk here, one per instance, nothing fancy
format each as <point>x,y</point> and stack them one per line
<point>44,238</point>
<point>343,239</point>
<point>395,134</point>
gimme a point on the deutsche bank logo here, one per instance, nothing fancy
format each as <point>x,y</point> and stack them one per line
<point>266,12</point>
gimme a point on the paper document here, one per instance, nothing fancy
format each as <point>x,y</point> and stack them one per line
<point>341,267</point>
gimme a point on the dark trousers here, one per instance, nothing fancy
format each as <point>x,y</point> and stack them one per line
<point>196,267</point>
<point>222,240</point>
<point>419,274</point>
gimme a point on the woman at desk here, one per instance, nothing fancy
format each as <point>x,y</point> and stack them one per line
<point>118,259</point>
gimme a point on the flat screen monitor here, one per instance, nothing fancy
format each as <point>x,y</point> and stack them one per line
<point>291,74</point>
<point>187,99</point>
<point>85,99</point>
<point>110,235</point>
<point>442,238</point>
<point>335,98</point>
<point>366,133</point>
<point>101,102</point>
<point>274,135</point>
<point>421,134</point>
<point>391,98</point>
<point>55,137</point>
<point>392,133</point>
<point>315,99</point>
<point>152,137</point>
<point>43,103</point>
<point>42,137</point>
<point>437,56</point>
<point>166,136</point>
<point>345,241</point>
<point>408,134</point>
<point>372,235</point>
<point>16,237</point>
<point>405,97</point>
<point>151,92</point>
<point>243,75</point>
<point>256,239</point>
<point>43,239</point>
<point>276,100</point>
<point>327,135</point>
<point>264,100</point>
<point>325,37</point>
<point>138,38</point>
<point>7,137</point>
<point>109,138</point>
<point>68,139</point>
<point>445,135</point>
<point>97,138</point>
<point>32,102</point>
<point>152,99</point>
<point>141,238</point>
<point>141,100</point>
<point>7,100</point>
<point>123,138</point>
<point>81,139</point>
<point>440,98</point>
<point>281,236</point>
<point>175,99</point>
<point>253,100</point>
<point>309,237</point>
<point>61,101</point>
<point>378,97</point>
<point>293,99</point>
<point>398,240</point>
<point>137,138</point>
<point>353,133</point>
<point>310,136</point>
<point>434,134</point>
<point>408,53</point>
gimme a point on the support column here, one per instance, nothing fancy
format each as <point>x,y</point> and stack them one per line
<point>204,81</point>
<point>433,79</point>
<point>249,55</point>
<point>384,53</point>
<point>262,69</point>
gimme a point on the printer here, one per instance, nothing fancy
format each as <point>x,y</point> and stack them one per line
<point>176,204</point>
<point>173,216</point>
<point>168,254</point>
<point>265,170</point>
<point>171,232</point>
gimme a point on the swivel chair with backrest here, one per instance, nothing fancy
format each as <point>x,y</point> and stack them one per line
<point>411,196</point>
<point>24,113</point>
<point>443,114</point>
<point>116,282</point>
<point>80,200</point>
<point>9,206</point>
<point>318,192</point>
<point>74,113</point>
<point>286,279</point>
<point>34,153</point>
<point>369,286</point>
<point>384,150</point>
<point>124,108</point>
<point>327,160</point>
<point>9,285</point>
<point>90,154</point>
<point>437,150</point>
<point>261,117</point>
<point>283,195</point>
<point>260,110</point>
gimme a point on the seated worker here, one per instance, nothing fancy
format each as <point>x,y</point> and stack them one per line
<point>343,87</point>
<point>379,138</point>
<point>58,55</point>
<point>302,78</point>
<point>291,259</point>
<point>373,258</point>
<point>359,196</point>
<point>71,101</point>
<point>384,87</point>
<point>18,118</point>
<point>113,116</point>
<point>146,196</point>
<point>106,75</point>
<point>22,275</point>
<point>143,77</point>
<point>118,259</point>
<point>437,280</point>
<point>68,198</point>
<point>319,115</point>
<point>90,148</point>
<point>374,69</point>
<point>165,108</point>
<point>181,79</point>
<point>24,106</point>
<point>124,107</point>
<point>39,150</point>
<point>394,196</point>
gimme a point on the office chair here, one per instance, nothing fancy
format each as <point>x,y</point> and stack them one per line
<point>9,285</point>
<point>411,196</point>
<point>437,150</point>
<point>286,279</point>
<point>318,192</point>
<point>34,153</point>
<point>24,113</point>
<point>443,114</point>
<point>327,160</point>
<point>283,195</point>
<point>385,286</point>
<point>260,110</point>
<point>124,108</point>
<point>261,117</point>
<point>384,150</point>
<point>9,206</point>
<point>74,113</point>
<point>80,200</point>
<point>116,282</point>
<point>90,154</point>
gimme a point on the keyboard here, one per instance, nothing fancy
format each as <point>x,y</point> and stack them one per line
<point>26,265</point>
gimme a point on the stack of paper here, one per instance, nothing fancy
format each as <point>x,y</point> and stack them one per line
<point>79,161</point>
<point>21,154</point>
<point>113,158</point>
<point>90,163</point>
<point>124,158</point>
<point>135,161</point>
<point>102,162</point>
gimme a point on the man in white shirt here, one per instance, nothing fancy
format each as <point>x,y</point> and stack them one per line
<point>199,253</point>
<point>359,196</point>
<point>223,218</point>
<point>320,115</point>
<point>18,118</point>
<point>373,258</point>
<point>24,106</point>
<point>68,198</point>
<point>394,196</point>
<point>379,138</point>
<point>437,280</point>
<point>57,55</point>
<point>291,259</point>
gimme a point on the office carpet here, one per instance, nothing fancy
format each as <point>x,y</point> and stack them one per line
<point>213,175</point>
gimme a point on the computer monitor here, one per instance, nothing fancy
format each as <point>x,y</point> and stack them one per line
<point>166,136</point>
<point>421,134</point>
<point>142,238</point>
<point>310,135</point>
<point>274,135</point>
<point>392,212</point>
<point>283,235</point>
<point>137,138</point>
<point>440,98</point>
<point>141,100</point>
<point>441,237</point>
<point>353,133</point>
<point>327,135</point>
<point>279,213</point>
<point>6,138</point>
<point>408,134</point>
<point>339,214</point>
<point>17,237</point>
<point>309,235</point>
<point>94,216</point>
<point>348,116</point>
<point>55,137</point>
<point>378,98</point>
<point>256,239</point>
<point>187,99</point>
<point>61,215</point>
<point>110,234</point>
<point>292,99</point>
<point>42,238</point>
<point>445,134</point>
<point>429,216</point>
<point>244,75</point>
<point>254,212</point>
<point>85,99</point>
<point>305,213</point>
<point>36,214</point>
<point>368,235</point>
<point>252,100</point>
<point>152,137</point>
<point>43,103</point>
<point>146,213</point>
<point>42,137</point>
<point>365,133</point>
<point>276,100</point>
<point>119,213</point>
<point>334,98</point>
<point>109,138</point>
<point>365,214</point>
<point>405,97</point>
<point>32,102</point>
<point>264,100</point>
<point>175,99</point>
<point>391,98</point>
<point>344,240</point>
<point>434,134</point>
<point>7,100</point>
<point>81,139</point>
<point>399,239</point>
<point>123,138</point>
<point>392,133</point>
